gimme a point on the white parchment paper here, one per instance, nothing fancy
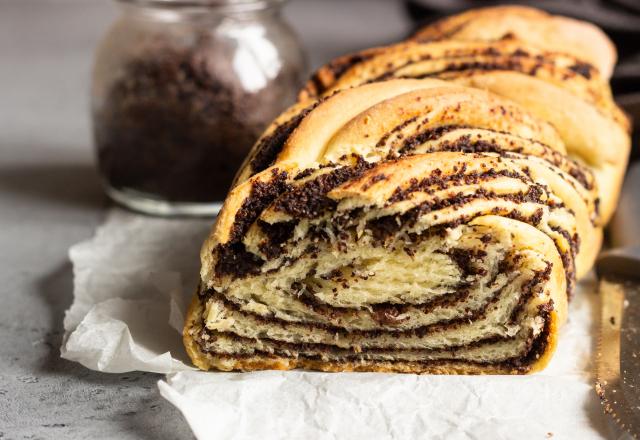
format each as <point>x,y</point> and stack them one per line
<point>133,281</point>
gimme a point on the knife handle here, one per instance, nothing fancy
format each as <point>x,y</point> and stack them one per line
<point>624,230</point>
<point>619,263</point>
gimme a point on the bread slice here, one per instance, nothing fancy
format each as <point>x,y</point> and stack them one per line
<point>441,262</point>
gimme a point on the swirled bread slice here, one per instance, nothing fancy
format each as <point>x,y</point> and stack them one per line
<point>407,225</point>
<point>438,262</point>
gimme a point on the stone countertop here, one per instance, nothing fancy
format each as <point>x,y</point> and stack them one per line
<point>50,198</point>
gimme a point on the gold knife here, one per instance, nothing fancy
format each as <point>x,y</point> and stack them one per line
<point>618,353</point>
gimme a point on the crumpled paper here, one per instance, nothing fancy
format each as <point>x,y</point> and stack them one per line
<point>134,279</point>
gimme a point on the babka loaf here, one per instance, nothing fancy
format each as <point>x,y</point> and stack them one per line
<point>394,222</point>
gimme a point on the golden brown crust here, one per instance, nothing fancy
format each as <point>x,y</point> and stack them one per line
<point>551,32</point>
<point>450,60</point>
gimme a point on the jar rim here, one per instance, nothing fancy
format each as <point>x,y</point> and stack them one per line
<point>228,5</point>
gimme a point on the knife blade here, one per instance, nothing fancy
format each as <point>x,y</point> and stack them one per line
<point>618,358</point>
<point>618,352</point>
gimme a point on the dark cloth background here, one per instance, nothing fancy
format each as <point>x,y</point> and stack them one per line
<point>620,19</point>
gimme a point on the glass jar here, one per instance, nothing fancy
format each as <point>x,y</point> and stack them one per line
<point>181,90</point>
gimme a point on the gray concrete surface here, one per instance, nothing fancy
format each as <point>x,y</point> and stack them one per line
<point>50,198</point>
